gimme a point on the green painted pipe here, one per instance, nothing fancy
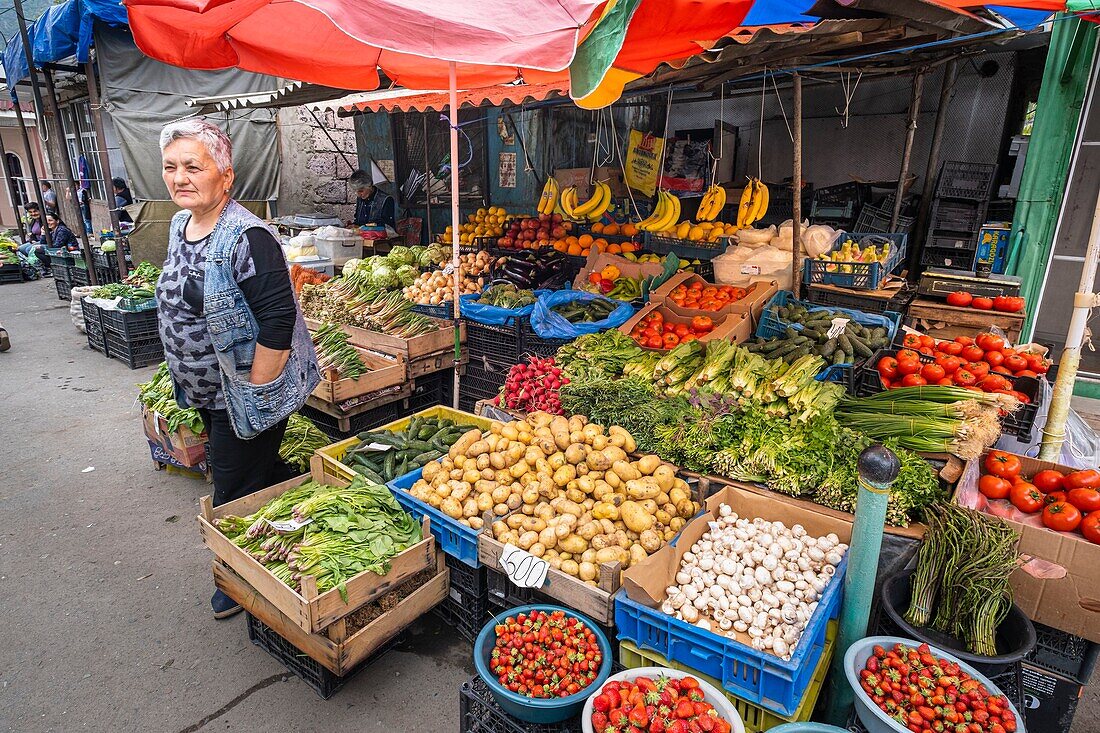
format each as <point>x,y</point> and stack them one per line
<point>878,468</point>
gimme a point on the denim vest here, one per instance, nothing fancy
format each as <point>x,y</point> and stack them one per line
<point>252,408</point>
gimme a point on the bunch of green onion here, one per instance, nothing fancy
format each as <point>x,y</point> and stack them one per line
<point>336,354</point>
<point>930,419</point>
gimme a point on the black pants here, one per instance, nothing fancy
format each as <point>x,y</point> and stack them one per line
<point>242,467</point>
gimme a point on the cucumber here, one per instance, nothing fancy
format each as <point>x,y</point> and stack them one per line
<point>828,348</point>
<point>784,313</point>
<point>840,357</point>
<point>771,346</point>
<point>419,445</point>
<point>754,347</point>
<point>389,465</point>
<point>844,343</point>
<point>425,458</point>
<point>797,354</point>
<point>381,437</point>
<point>861,348</point>
<point>878,333</point>
<point>786,349</point>
<point>813,333</point>
<point>423,434</point>
<point>402,469</point>
<point>791,333</point>
<point>369,474</point>
<point>413,427</point>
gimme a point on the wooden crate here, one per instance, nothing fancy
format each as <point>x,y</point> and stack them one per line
<point>383,373</point>
<point>333,648</point>
<point>410,349</point>
<point>329,458</point>
<point>945,322</point>
<point>433,363</point>
<point>309,610</point>
<point>343,418</point>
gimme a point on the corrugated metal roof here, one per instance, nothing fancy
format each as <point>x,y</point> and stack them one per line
<point>291,94</point>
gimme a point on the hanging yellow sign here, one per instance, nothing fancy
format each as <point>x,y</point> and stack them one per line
<point>643,159</point>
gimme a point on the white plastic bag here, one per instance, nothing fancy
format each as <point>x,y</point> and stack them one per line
<point>755,237</point>
<point>818,239</point>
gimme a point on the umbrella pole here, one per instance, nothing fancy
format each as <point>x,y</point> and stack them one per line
<point>1054,432</point>
<point>457,274</point>
<point>796,187</point>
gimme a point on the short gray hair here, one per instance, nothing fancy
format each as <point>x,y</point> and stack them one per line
<point>360,179</point>
<point>196,128</point>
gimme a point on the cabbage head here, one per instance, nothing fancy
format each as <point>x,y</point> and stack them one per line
<point>384,276</point>
<point>401,255</point>
<point>407,274</point>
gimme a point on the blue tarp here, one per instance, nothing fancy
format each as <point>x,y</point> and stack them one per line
<point>63,31</point>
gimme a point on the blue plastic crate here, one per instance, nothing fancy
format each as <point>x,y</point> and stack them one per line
<point>759,677</point>
<point>858,275</point>
<point>456,540</point>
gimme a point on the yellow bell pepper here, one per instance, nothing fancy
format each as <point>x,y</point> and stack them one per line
<point>610,273</point>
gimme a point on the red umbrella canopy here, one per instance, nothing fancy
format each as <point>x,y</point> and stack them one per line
<point>343,43</point>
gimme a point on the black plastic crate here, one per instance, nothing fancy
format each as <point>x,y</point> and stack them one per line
<point>956,259</point>
<point>131,325</point>
<point>958,241</point>
<point>1065,654</point>
<point>502,344</point>
<point>781,203</point>
<point>431,390</point>
<point>319,679</point>
<point>79,276</point>
<point>466,607</point>
<point>135,353</point>
<point>876,220</point>
<point>833,299</point>
<point>94,333</point>
<point>11,274</point>
<point>91,313</point>
<point>969,181</point>
<point>443,310</point>
<point>64,287</point>
<point>106,275</point>
<point>482,381</point>
<point>1022,422</point>
<point>478,712</point>
<point>535,345</point>
<point>957,216</point>
<point>340,428</point>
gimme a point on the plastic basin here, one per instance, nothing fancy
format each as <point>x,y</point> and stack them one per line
<point>807,728</point>
<point>1015,635</point>
<point>872,718</point>
<point>537,710</point>
<point>711,693</point>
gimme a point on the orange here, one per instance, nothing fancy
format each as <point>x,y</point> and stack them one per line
<point>575,249</point>
<point>571,240</point>
<point>585,240</point>
<point>560,245</point>
<point>597,228</point>
<point>628,229</point>
<point>584,252</point>
<point>614,249</point>
<point>629,246</point>
<point>610,229</point>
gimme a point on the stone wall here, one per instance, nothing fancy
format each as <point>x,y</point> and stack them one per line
<point>314,175</point>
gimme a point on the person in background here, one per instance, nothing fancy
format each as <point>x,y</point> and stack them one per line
<point>85,201</point>
<point>235,341</point>
<point>49,198</point>
<point>372,206</point>
<point>60,234</point>
<point>36,243</point>
<point>123,197</point>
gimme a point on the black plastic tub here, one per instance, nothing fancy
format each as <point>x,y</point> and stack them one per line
<point>1015,635</point>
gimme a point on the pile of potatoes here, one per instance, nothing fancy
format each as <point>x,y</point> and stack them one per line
<point>561,489</point>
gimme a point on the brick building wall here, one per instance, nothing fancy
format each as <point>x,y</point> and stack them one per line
<point>314,174</point>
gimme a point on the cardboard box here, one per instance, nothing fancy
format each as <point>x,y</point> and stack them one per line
<point>1050,700</point>
<point>597,261</point>
<point>163,458</point>
<point>753,303</point>
<point>186,449</point>
<point>1059,585</point>
<point>611,175</point>
<point>993,246</point>
<point>735,327</point>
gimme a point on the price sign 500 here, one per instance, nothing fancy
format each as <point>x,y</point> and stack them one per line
<point>523,568</point>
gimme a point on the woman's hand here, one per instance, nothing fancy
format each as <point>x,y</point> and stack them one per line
<point>267,364</point>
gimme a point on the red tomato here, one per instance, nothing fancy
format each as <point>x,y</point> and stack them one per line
<point>989,342</point>
<point>1002,370</point>
<point>926,340</point>
<point>680,329</point>
<point>1090,527</point>
<point>982,304</point>
<point>951,348</point>
<point>1087,500</point>
<point>964,340</point>
<point>913,380</point>
<point>1024,373</point>
<point>1048,480</point>
<point>994,487</point>
<point>702,324</point>
<point>1036,363</point>
<point>887,367</point>
<point>911,340</point>
<point>1061,517</point>
<point>973,353</point>
<point>654,342</point>
<point>1088,479</point>
<point>908,366</point>
<point>978,368</point>
<point>1003,464</point>
<point>1054,497</point>
<point>994,382</point>
<point>946,382</point>
<point>689,337</point>
<point>927,350</point>
<point>670,340</point>
<point>959,299</point>
<point>908,354</point>
<point>994,358</point>
<point>949,363</point>
<point>933,372</point>
<point>1008,304</point>
<point>1025,497</point>
<point>1016,363</point>
<point>964,377</point>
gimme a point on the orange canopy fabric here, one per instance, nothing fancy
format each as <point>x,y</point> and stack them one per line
<point>438,101</point>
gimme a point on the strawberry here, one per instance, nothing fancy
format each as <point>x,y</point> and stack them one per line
<point>601,703</point>
<point>600,722</point>
<point>639,717</point>
<point>684,709</point>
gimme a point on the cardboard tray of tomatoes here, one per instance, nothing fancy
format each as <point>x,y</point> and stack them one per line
<point>887,369</point>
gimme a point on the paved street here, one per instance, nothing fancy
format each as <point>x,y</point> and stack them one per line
<point>106,584</point>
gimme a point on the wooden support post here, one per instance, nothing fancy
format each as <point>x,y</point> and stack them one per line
<point>907,151</point>
<point>67,164</point>
<point>796,188</point>
<point>94,104</point>
<point>917,233</point>
<point>22,22</point>
<point>13,191</point>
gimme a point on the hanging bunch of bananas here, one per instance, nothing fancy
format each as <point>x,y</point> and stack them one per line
<point>592,209</point>
<point>665,214</point>
<point>754,203</point>
<point>713,202</point>
<point>548,201</point>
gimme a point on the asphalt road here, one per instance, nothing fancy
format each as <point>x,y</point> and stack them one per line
<point>104,583</point>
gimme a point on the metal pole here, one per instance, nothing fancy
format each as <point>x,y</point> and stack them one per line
<point>907,151</point>
<point>29,152</point>
<point>878,469</point>
<point>67,164</point>
<point>427,181</point>
<point>457,274</point>
<point>947,91</point>
<point>796,188</point>
<point>12,190</point>
<point>94,105</point>
<point>1054,432</point>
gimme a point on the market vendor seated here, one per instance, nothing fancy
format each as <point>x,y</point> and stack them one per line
<point>60,235</point>
<point>372,206</point>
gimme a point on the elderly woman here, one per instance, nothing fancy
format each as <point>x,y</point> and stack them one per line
<point>234,339</point>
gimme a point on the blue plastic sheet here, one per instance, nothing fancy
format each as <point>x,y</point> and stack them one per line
<point>492,315</point>
<point>549,325</point>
